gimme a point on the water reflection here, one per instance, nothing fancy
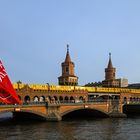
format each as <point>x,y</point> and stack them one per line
<point>72,129</point>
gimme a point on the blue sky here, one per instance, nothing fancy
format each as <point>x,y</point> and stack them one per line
<point>34,34</point>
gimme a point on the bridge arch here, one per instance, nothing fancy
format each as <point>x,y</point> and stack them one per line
<point>72,100</point>
<point>61,99</point>
<point>28,114</point>
<point>81,98</point>
<point>42,99</point>
<point>66,99</point>
<point>36,99</point>
<point>89,110</point>
<point>27,99</point>
<point>56,98</point>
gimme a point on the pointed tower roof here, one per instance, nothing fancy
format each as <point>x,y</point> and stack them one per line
<point>67,59</point>
<point>110,62</point>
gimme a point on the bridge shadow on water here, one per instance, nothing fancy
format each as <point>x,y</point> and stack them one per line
<point>19,118</point>
<point>84,114</point>
<point>132,111</point>
<point>26,116</point>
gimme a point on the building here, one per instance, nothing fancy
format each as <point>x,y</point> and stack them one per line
<point>68,76</point>
<point>123,82</point>
<point>110,75</point>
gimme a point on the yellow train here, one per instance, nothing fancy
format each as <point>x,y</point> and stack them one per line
<point>70,88</point>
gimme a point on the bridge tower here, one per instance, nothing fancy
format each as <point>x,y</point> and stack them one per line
<point>110,70</point>
<point>110,75</point>
<point>68,77</point>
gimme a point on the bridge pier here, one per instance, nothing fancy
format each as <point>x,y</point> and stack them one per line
<point>53,113</point>
<point>117,115</point>
<point>116,110</point>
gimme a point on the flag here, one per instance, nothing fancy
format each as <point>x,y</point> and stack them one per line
<point>7,92</point>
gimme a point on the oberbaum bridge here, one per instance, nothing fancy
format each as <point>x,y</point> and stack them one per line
<point>54,102</point>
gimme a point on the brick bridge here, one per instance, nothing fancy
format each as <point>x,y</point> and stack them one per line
<point>55,112</point>
<point>51,102</point>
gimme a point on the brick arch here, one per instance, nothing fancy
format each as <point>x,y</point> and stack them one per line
<point>81,108</point>
<point>35,98</point>
<point>27,98</point>
<point>42,98</point>
<point>56,98</point>
<point>39,114</point>
<point>61,98</point>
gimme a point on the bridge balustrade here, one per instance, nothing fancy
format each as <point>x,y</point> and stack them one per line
<point>95,101</point>
<point>131,102</point>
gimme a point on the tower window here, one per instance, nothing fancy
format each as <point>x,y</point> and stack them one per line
<point>67,69</point>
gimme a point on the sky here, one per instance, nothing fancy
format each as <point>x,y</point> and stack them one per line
<point>34,35</point>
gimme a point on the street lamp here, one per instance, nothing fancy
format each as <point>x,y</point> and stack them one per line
<point>18,83</point>
<point>48,86</point>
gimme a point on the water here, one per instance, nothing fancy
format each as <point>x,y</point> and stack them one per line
<point>76,129</point>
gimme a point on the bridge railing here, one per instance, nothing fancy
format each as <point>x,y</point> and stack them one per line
<point>23,104</point>
<point>63,102</point>
<point>131,102</point>
<point>72,102</point>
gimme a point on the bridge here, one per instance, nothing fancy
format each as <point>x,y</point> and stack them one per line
<point>56,111</point>
<point>52,103</point>
<point>57,93</point>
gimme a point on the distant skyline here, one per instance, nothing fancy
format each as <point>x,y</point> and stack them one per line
<point>34,36</point>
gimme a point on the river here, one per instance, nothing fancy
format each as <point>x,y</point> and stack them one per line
<point>71,129</point>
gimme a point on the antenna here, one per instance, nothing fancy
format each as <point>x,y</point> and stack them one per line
<point>110,55</point>
<point>67,47</point>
